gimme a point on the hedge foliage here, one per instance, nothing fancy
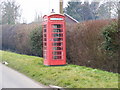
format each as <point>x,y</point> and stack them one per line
<point>85,46</point>
<point>84,42</point>
<point>17,38</point>
<point>110,34</point>
<point>36,41</point>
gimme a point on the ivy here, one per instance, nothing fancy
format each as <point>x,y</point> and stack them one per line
<point>110,33</point>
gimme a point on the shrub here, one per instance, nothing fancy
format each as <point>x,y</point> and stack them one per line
<point>8,39</point>
<point>17,37</point>
<point>36,41</point>
<point>110,34</point>
<point>84,46</point>
<point>84,43</point>
<point>111,43</point>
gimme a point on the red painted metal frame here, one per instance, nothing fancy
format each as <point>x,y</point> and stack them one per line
<point>49,40</point>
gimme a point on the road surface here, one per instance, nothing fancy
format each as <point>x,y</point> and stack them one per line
<point>10,78</point>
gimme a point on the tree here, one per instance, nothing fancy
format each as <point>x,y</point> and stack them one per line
<point>108,9</point>
<point>0,15</point>
<point>119,16</point>
<point>82,11</point>
<point>104,12</point>
<point>73,9</point>
<point>38,18</point>
<point>94,6</point>
<point>10,12</point>
<point>104,9</point>
<point>86,12</point>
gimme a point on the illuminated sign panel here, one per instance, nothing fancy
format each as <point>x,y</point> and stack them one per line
<point>56,18</point>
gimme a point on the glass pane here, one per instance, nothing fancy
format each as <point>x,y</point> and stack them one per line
<point>57,26</point>
<point>44,52</point>
<point>57,48</point>
<point>54,57</point>
<point>44,26</point>
<point>57,39</point>
<point>57,53</point>
<point>57,35</point>
<point>45,44</point>
<point>44,30</point>
<point>44,57</point>
<point>57,30</point>
<point>44,35</point>
<point>57,44</point>
<point>44,48</point>
<point>45,39</point>
<point>57,57</point>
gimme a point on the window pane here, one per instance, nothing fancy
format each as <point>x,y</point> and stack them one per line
<point>57,35</point>
<point>44,26</point>
<point>44,48</point>
<point>57,26</point>
<point>45,44</point>
<point>57,30</point>
<point>44,35</point>
<point>44,52</point>
<point>44,57</point>
<point>45,39</point>
<point>57,44</point>
<point>57,53</point>
<point>57,48</point>
<point>57,39</point>
<point>57,57</point>
<point>44,30</point>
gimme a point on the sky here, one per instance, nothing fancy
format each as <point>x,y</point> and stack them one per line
<point>29,8</point>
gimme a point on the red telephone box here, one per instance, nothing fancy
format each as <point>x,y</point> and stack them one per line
<point>54,39</point>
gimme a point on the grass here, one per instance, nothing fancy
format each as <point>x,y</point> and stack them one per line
<point>69,76</point>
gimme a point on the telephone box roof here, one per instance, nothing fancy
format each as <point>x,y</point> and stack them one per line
<point>53,14</point>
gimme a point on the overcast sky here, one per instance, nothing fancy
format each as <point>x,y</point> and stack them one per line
<point>42,7</point>
<point>30,7</point>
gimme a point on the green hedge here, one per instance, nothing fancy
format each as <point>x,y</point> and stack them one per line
<point>110,34</point>
<point>85,45</point>
<point>85,42</point>
<point>36,41</point>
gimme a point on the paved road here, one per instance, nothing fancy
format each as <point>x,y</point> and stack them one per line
<point>14,79</point>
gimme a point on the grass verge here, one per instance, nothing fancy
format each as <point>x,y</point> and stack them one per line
<point>69,76</point>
